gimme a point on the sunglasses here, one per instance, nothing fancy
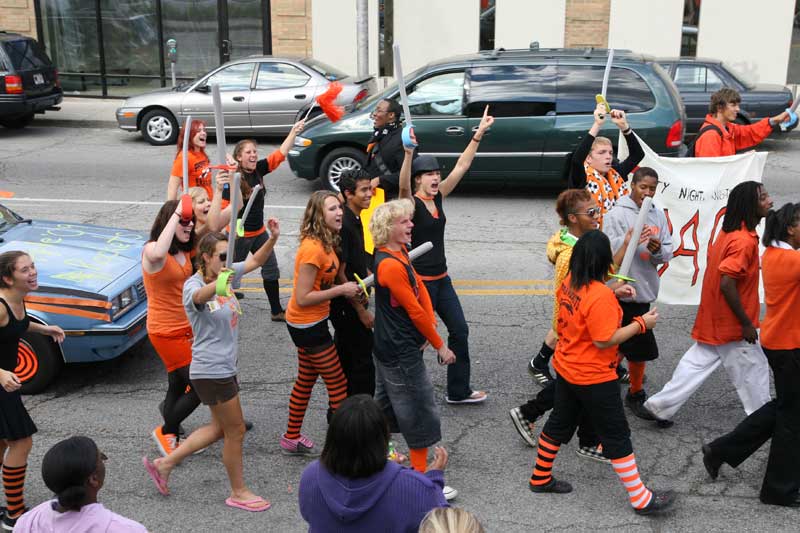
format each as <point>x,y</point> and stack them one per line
<point>186,223</point>
<point>592,212</point>
<point>223,256</point>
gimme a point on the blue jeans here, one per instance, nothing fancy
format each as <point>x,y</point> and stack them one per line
<point>448,307</point>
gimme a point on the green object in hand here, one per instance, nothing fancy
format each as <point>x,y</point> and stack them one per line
<point>239,227</point>
<point>222,283</point>
<point>600,99</point>
<point>361,284</point>
<point>623,278</point>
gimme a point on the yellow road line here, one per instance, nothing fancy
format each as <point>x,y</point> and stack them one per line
<point>462,292</point>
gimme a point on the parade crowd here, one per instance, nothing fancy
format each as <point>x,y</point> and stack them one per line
<point>601,338</point>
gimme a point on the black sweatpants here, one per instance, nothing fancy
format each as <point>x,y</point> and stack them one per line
<point>778,420</point>
<point>181,400</point>
<point>600,403</point>
<point>543,402</point>
<point>354,346</point>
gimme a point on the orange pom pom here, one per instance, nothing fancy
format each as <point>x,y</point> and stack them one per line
<point>326,102</point>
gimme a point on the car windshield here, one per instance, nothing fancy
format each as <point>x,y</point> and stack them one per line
<point>368,102</point>
<point>8,218</point>
<point>330,73</point>
<point>736,73</point>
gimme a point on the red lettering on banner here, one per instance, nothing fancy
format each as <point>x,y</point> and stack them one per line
<point>717,218</point>
<point>682,250</point>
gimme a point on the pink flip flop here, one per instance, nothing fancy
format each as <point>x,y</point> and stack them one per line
<point>245,506</point>
<point>160,482</point>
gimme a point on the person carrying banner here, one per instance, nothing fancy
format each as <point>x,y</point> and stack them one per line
<point>727,318</point>
<point>253,170</point>
<point>778,419</point>
<point>589,332</point>
<point>352,321</point>
<point>404,325</point>
<point>655,251</point>
<point>385,150</point>
<point>199,171</point>
<point>720,135</point>
<point>421,181</point>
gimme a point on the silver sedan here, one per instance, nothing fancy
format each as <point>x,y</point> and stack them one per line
<point>261,95</point>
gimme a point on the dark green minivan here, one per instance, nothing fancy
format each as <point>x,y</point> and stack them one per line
<point>542,101</point>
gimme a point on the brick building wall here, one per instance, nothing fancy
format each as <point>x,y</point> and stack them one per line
<point>291,27</point>
<point>587,23</point>
<point>18,16</point>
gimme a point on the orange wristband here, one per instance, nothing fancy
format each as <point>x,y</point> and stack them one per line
<point>642,326</point>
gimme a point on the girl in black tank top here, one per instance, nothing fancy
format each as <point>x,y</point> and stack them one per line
<point>17,278</point>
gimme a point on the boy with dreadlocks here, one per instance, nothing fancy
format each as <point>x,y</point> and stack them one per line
<point>727,318</point>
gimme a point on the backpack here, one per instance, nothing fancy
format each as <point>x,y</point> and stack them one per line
<point>690,151</point>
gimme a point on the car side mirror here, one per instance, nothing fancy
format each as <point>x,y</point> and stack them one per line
<point>203,89</point>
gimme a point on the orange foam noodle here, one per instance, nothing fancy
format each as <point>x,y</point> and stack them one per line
<point>6,194</point>
<point>326,102</point>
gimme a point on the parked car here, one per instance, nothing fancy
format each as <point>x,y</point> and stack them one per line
<point>260,95</point>
<point>697,79</point>
<point>542,101</point>
<point>90,284</point>
<point>28,81</point>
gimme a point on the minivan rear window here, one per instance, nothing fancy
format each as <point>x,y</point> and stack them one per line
<point>25,54</point>
<point>512,90</point>
<point>578,85</point>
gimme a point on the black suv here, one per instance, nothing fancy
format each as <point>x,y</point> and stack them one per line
<point>28,80</point>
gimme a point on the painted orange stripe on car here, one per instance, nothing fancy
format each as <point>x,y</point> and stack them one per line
<point>68,301</point>
<point>69,311</point>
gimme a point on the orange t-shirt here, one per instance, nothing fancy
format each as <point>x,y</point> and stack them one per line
<point>780,269</point>
<point>589,314</point>
<point>199,173</point>
<point>312,252</point>
<point>735,255</point>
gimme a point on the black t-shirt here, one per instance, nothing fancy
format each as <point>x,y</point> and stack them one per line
<point>354,257</point>
<point>255,219</point>
<point>429,228</point>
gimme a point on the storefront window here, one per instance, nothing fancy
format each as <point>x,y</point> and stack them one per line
<point>193,23</point>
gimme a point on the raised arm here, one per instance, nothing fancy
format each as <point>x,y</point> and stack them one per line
<point>288,142</point>
<point>155,253</point>
<point>635,152</point>
<point>465,160</point>
<point>218,217</point>
<point>577,174</point>
<point>173,186</point>
<point>405,190</point>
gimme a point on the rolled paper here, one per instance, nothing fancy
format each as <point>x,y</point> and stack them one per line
<point>401,84</point>
<point>633,244</point>
<point>219,124</point>
<point>408,137</point>
<point>187,129</point>
<point>222,283</point>
<point>186,207</point>
<point>423,248</point>
<point>235,197</point>
<point>361,284</point>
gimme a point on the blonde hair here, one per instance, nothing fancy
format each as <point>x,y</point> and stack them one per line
<point>450,520</point>
<point>601,140</point>
<point>380,225</point>
<point>313,225</point>
<point>196,193</point>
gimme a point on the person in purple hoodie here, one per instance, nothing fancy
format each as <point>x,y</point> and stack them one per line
<point>354,487</point>
<point>74,469</point>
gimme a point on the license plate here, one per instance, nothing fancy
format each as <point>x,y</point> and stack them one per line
<point>38,79</point>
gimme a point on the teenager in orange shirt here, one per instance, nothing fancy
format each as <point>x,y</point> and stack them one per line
<point>166,265</point>
<point>727,318</point>
<point>778,419</point>
<point>315,269</point>
<point>589,332</point>
<point>199,173</point>
<point>404,325</point>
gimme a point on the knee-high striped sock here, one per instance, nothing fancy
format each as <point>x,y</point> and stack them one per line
<point>13,483</point>
<point>301,393</point>
<point>546,454</point>
<point>628,473</point>
<point>326,363</point>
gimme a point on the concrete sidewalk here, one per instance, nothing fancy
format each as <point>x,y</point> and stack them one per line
<point>83,112</point>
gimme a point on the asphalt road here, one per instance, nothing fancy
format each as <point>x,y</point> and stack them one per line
<point>495,243</point>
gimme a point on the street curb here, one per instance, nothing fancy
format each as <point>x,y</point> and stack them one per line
<point>64,123</point>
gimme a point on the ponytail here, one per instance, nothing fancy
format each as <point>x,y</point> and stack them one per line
<point>777,224</point>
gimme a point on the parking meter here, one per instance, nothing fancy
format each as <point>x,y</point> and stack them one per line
<point>172,55</point>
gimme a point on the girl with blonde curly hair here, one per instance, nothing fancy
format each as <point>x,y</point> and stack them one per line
<point>315,269</point>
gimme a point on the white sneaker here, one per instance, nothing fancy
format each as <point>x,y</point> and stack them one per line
<point>449,493</point>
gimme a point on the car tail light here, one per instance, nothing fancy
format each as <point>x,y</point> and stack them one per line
<point>675,135</point>
<point>56,81</point>
<point>13,84</point>
<point>360,96</point>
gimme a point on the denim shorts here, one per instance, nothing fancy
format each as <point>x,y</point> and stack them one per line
<point>405,394</point>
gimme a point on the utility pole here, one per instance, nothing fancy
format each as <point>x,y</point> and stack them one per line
<point>362,31</point>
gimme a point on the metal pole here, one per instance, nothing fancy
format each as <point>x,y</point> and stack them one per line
<point>362,32</point>
<point>172,68</point>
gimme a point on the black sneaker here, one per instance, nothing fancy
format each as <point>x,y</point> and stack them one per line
<point>523,427</point>
<point>622,375</point>
<point>635,403</point>
<point>711,463</point>
<point>555,486</point>
<point>8,523</point>
<point>541,373</point>
<point>181,430</point>
<point>658,503</point>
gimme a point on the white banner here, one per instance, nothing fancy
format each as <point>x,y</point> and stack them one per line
<point>693,193</point>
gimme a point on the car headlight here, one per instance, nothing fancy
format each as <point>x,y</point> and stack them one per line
<point>121,303</point>
<point>302,141</point>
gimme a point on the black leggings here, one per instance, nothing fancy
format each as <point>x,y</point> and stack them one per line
<point>181,400</point>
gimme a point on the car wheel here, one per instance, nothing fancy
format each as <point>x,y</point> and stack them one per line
<point>336,162</point>
<point>18,122</point>
<point>159,127</point>
<point>38,363</point>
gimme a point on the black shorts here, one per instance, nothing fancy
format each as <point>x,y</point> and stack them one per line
<point>315,336</point>
<point>640,347</point>
<point>216,391</point>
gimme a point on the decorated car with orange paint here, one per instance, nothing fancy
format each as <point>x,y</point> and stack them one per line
<point>90,284</point>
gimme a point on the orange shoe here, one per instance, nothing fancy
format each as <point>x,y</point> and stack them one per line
<point>166,442</point>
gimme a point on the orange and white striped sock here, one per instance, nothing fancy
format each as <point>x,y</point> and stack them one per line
<point>545,455</point>
<point>628,473</point>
